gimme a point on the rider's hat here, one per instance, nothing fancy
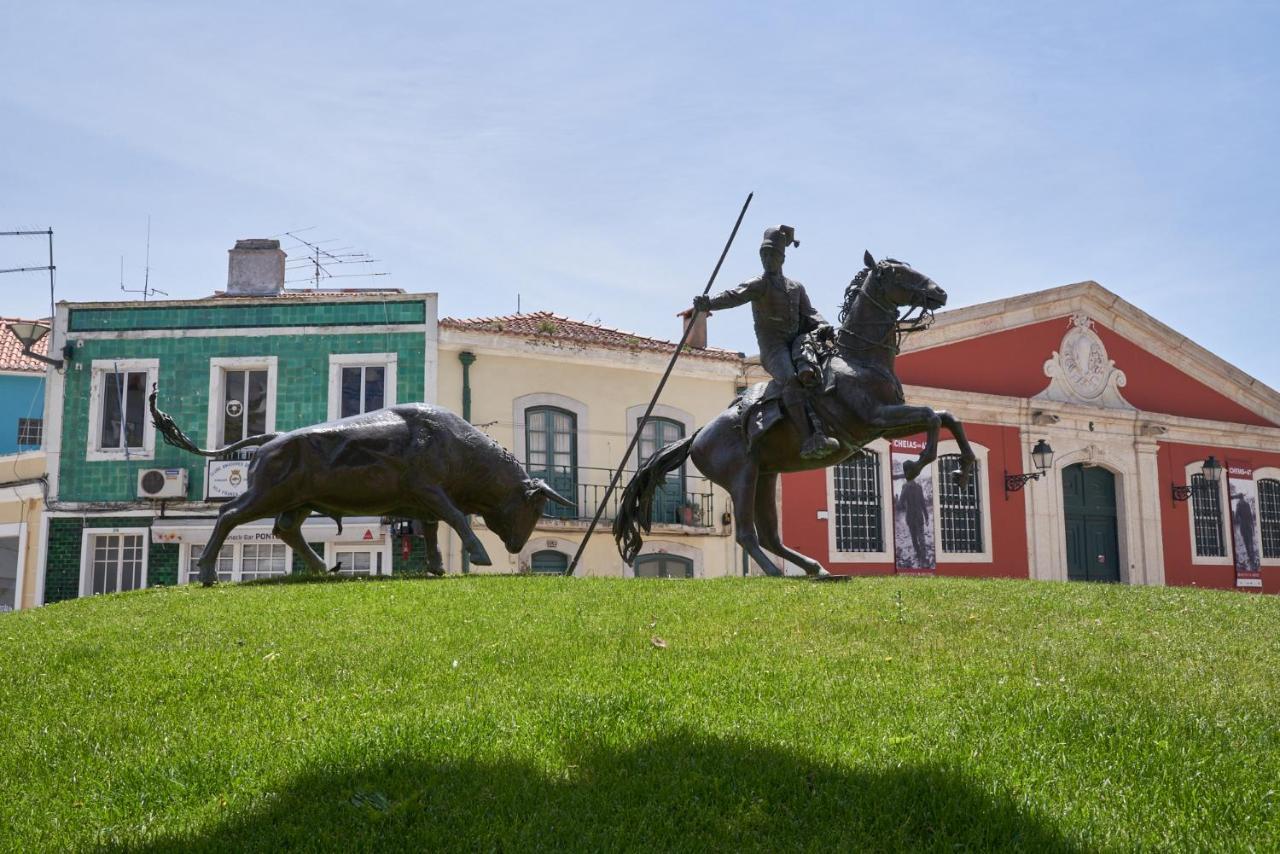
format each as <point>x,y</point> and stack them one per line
<point>779,237</point>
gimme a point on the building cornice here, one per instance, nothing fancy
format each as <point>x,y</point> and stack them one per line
<point>558,351</point>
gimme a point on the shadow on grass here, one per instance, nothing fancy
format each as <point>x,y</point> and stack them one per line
<point>679,793</point>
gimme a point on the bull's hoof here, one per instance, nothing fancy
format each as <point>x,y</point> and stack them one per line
<point>435,569</point>
<point>479,556</point>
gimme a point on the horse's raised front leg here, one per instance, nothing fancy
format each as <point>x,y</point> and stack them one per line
<point>967,458</point>
<point>903,420</point>
<point>767,526</point>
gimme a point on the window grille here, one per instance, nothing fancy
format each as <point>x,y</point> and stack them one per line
<point>1269,516</point>
<point>858,505</point>
<point>960,509</point>
<point>1206,514</point>
<point>30,432</point>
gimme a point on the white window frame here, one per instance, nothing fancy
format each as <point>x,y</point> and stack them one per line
<point>100,368</point>
<point>1224,519</point>
<point>218,367</point>
<point>237,559</point>
<point>338,361</point>
<point>19,530</point>
<point>331,550</point>
<point>949,446</point>
<point>1261,474</point>
<point>881,447</point>
<point>86,554</point>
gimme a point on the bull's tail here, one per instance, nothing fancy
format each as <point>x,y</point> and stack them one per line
<point>172,433</point>
<point>635,508</point>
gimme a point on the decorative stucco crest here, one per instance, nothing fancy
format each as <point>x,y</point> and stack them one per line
<point>1080,371</point>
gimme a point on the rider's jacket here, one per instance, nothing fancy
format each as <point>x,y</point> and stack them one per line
<point>780,308</point>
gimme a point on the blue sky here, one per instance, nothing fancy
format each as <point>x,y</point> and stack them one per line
<point>591,157</point>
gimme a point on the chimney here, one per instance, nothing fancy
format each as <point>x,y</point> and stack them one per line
<point>698,336</point>
<point>255,269</point>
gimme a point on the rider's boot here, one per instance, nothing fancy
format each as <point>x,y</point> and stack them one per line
<point>819,444</point>
<point>814,443</point>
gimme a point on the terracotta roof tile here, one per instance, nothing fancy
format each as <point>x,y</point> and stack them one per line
<point>545,325</point>
<point>11,358</point>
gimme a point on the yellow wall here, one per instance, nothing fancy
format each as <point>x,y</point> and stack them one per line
<point>607,383</point>
<point>24,506</point>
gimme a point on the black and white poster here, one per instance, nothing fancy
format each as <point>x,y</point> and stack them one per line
<point>913,549</point>
<point>1242,494</point>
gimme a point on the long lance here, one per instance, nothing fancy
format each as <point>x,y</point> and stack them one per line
<point>644,419</point>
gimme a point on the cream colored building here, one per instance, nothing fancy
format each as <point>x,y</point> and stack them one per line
<point>565,397</point>
<point>21,513</point>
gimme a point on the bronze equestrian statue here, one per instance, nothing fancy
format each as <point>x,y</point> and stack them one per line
<point>856,397</point>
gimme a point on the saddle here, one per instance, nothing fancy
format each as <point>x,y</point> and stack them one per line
<point>759,408</point>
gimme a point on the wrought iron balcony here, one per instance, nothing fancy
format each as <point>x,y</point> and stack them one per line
<point>683,500</point>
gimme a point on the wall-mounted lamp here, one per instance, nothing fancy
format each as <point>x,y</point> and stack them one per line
<point>1042,456</point>
<point>1212,471</point>
<point>29,334</point>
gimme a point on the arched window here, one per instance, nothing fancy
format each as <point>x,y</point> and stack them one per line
<point>669,498</point>
<point>1206,515</point>
<point>959,510</point>
<point>549,562</point>
<point>551,448</point>
<point>1269,515</point>
<point>858,502</point>
<point>663,566</point>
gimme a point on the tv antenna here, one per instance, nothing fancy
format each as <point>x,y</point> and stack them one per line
<point>319,263</point>
<point>147,290</point>
<point>48,232</point>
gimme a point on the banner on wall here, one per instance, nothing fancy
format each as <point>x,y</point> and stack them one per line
<point>1242,497</point>
<point>913,549</point>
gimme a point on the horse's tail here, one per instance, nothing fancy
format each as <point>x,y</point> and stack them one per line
<point>635,508</point>
<point>172,433</point>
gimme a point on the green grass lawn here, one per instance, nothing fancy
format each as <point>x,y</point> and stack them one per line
<point>517,713</point>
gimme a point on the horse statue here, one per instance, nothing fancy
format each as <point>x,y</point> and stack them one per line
<point>747,446</point>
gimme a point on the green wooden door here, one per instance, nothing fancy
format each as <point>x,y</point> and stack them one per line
<point>668,498</point>
<point>551,448</point>
<point>1089,502</point>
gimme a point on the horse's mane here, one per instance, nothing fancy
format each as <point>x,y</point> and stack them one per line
<point>859,279</point>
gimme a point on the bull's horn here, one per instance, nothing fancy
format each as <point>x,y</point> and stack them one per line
<point>546,490</point>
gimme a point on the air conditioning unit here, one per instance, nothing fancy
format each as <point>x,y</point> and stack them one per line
<point>162,483</point>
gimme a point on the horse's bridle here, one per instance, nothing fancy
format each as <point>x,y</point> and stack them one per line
<point>902,326</point>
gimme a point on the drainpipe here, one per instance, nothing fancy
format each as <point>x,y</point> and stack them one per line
<point>467,358</point>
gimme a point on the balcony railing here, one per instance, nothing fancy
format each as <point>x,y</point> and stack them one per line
<point>687,500</point>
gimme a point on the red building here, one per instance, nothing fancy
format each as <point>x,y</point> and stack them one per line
<point>1131,409</point>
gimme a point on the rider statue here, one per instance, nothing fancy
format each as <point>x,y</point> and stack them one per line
<point>783,316</point>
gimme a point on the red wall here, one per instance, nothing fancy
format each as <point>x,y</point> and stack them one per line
<point>805,493</point>
<point>985,365</point>
<point>1176,518</point>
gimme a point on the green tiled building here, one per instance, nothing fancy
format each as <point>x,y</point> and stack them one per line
<point>127,510</point>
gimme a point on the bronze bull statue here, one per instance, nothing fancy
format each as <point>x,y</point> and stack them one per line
<point>414,461</point>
